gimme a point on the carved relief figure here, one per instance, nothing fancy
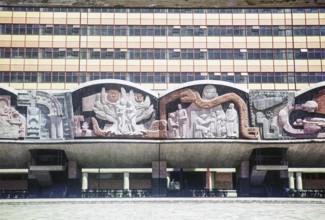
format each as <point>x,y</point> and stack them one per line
<point>204,127</point>
<point>232,121</point>
<point>123,111</point>
<point>206,117</point>
<point>181,120</point>
<point>173,127</point>
<point>220,125</point>
<point>11,121</point>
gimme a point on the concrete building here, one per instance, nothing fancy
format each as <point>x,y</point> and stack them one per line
<point>148,99</point>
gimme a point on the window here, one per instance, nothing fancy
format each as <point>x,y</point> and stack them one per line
<point>120,76</point>
<point>147,54</point>
<point>58,77</point>
<point>227,54</point>
<point>72,53</point>
<point>226,30</point>
<point>187,77</point>
<point>239,30</point>
<point>120,30</point>
<point>228,77</point>
<point>280,54</point>
<point>215,31</point>
<point>240,78</point>
<point>254,77</point>
<point>30,77</point>
<point>134,77</point>
<point>32,53</point>
<point>134,30</point>
<point>174,77</point>
<point>160,77</point>
<point>214,76</point>
<point>253,30</point>
<point>187,54</point>
<point>134,54</point>
<point>299,31</point>
<point>281,77</point>
<point>187,31</point>
<point>119,54</point>
<point>4,76</point>
<point>147,77</point>
<point>106,54</point>
<point>174,54</point>
<point>302,77</point>
<point>266,30</point>
<point>240,54</point>
<point>266,54</point>
<point>17,53</point>
<point>200,54</point>
<point>16,77</point>
<point>173,30</point>
<point>160,54</point>
<point>106,75</point>
<point>313,30</point>
<point>213,54</point>
<point>199,31</point>
<point>314,54</point>
<point>160,30</point>
<point>267,77</point>
<point>253,54</point>
<point>71,77</point>
<point>300,54</point>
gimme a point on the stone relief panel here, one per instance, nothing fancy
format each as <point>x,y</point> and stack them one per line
<point>49,116</point>
<point>265,107</point>
<point>305,120</point>
<point>207,116</point>
<point>118,114</point>
<point>12,123</point>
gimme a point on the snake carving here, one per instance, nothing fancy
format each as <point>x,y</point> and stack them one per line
<point>190,96</point>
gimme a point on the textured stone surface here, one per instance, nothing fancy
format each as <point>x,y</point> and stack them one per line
<point>12,123</point>
<point>49,116</point>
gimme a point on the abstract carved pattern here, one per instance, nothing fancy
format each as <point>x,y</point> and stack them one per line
<point>12,123</point>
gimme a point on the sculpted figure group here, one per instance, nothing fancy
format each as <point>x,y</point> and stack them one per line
<point>195,122</point>
<point>197,112</point>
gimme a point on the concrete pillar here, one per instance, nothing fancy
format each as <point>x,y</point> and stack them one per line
<point>291,180</point>
<point>126,182</point>
<point>84,181</point>
<point>209,179</point>
<point>299,181</point>
<point>168,179</point>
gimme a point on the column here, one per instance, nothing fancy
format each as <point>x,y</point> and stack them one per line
<point>126,181</point>
<point>209,180</point>
<point>291,180</point>
<point>299,181</point>
<point>84,181</point>
<point>168,179</point>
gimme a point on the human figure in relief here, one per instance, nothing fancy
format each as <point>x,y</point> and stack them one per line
<point>173,125</point>
<point>232,121</point>
<point>181,120</point>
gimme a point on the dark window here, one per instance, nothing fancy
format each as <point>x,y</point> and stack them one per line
<point>254,77</point>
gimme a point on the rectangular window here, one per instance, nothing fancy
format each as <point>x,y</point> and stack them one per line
<point>300,54</point>
<point>58,77</point>
<point>213,30</point>
<point>281,77</point>
<point>213,54</point>
<point>174,77</point>
<point>174,54</point>
<point>302,77</point>
<point>30,77</point>
<point>160,77</point>
<point>254,78</point>
<point>239,78</point>
<point>71,77</point>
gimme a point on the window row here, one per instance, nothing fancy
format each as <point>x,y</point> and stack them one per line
<point>171,10</point>
<point>160,77</point>
<point>162,54</point>
<point>160,30</point>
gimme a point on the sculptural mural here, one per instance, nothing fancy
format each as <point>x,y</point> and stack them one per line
<point>12,123</point>
<point>48,116</point>
<point>265,107</point>
<point>206,115</point>
<point>123,111</point>
<point>273,110</point>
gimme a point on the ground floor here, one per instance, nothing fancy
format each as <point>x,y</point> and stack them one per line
<point>162,169</point>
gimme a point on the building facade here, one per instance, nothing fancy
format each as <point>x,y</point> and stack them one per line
<point>161,101</point>
<point>59,48</point>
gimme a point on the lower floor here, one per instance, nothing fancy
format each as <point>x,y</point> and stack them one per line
<point>161,182</point>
